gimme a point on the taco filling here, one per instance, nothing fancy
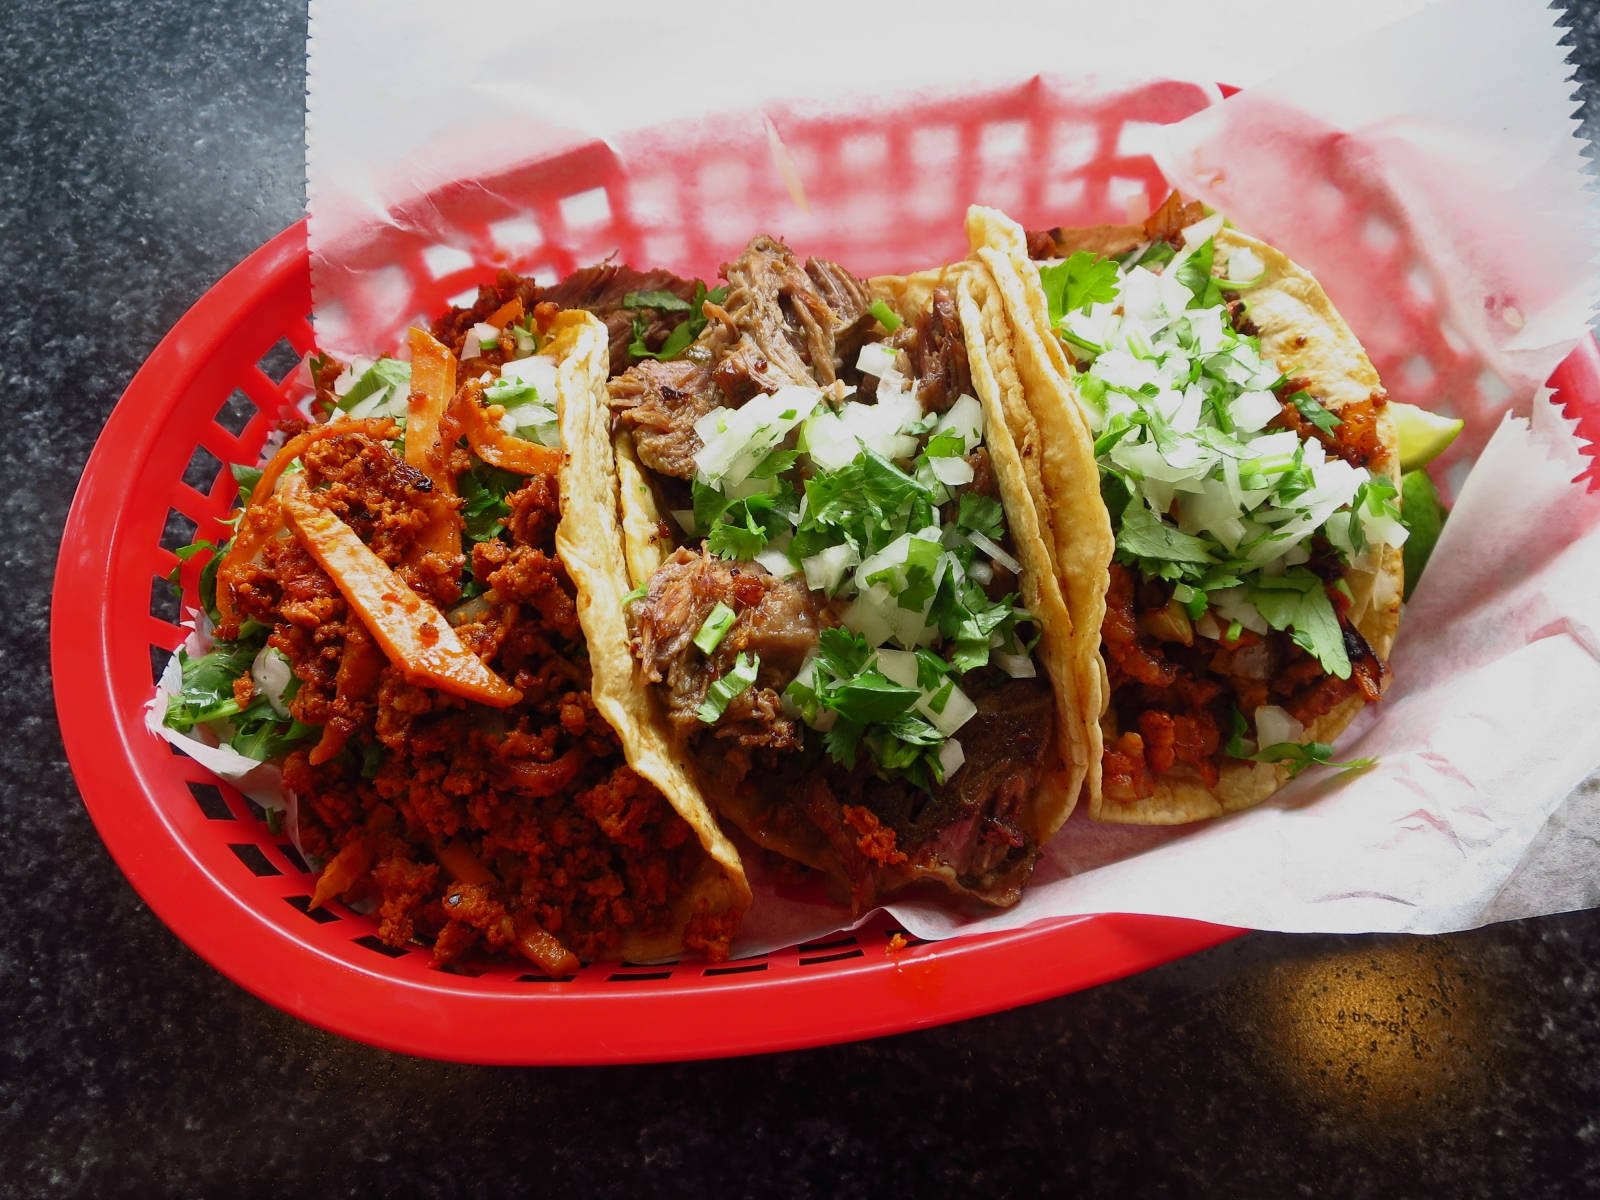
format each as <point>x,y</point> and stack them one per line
<point>1251,489</point>
<point>829,610</point>
<point>396,629</point>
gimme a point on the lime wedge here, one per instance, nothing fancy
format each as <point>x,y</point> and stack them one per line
<point>1423,516</point>
<point>1423,435</point>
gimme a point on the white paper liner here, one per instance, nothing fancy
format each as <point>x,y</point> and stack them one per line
<point>1483,806</point>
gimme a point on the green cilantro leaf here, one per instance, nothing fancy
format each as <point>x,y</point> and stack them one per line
<point>684,333</point>
<point>1297,601</point>
<point>1080,281</point>
<point>662,300</point>
<point>1298,756</point>
<point>981,514</point>
<point>1312,411</point>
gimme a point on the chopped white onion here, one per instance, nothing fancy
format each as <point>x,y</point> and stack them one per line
<point>539,370</point>
<point>898,666</point>
<point>1018,666</point>
<point>952,472</point>
<point>826,569</point>
<point>775,557</point>
<point>965,417</point>
<point>994,551</point>
<point>876,359</point>
<point>270,673</point>
<point>1275,725</point>
<point>736,440</point>
<point>958,710</point>
<point>951,756</point>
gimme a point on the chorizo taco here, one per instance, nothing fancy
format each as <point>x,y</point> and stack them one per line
<point>410,624</point>
<point>1241,446</point>
<point>839,595</point>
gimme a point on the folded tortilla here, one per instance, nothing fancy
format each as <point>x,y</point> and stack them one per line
<point>587,539</point>
<point>1066,651</point>
<point>1299,330</point>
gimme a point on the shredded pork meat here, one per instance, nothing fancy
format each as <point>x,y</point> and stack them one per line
<point>783,323</point>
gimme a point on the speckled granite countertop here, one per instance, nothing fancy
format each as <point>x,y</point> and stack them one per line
<point>150,146</point>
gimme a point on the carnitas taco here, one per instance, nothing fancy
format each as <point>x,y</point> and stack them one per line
<point>840,599</point>
<point>409,623</point>
<point>1243,450</point>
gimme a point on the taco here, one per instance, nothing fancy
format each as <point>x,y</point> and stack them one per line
<point>841,604</point>
<point>409,623</point>
<point>1242,448</point>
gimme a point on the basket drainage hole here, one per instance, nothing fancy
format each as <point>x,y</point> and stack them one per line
<point>279,361</point>
<point>257,863</point>
<point>160,656</point>
<point>236,412</point>
<point>178,531</point>
<point>165,602</point>
<point>209,797</point>
<point>320,915</point>
<point>202,471</point>
<point>372,942</point>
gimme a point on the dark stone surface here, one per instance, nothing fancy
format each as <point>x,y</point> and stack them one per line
<point>146,149</point>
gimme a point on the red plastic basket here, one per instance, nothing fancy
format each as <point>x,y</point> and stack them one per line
<point>206,862</point>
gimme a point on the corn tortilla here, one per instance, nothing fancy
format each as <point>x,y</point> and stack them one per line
<point>1299,330</point>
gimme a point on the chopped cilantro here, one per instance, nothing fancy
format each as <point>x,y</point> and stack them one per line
<point>1082,280</point>
<point>1298,756</point>
<point>684,333</point>
<point>1297,601</point>
<point>484,509</point>
<point>714,628</point>
<point>663,300</point>
<point>1312,411</point>
<point>981,514</point>
<point>886,316</point>
<point>377,388</point>
<point>1195,274</point>
<point>723,690</point>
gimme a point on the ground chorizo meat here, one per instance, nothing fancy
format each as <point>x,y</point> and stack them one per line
<point>498,830</point>
<point>1174,703</point>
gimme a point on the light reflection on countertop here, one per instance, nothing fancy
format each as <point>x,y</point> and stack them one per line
<point>1376,1034</point>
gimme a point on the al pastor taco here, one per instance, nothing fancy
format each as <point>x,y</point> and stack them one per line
<point>1243,451</point>
<point>840,598</point>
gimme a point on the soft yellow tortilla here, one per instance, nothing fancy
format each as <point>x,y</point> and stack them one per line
<point>1300,330</point>
<point>587,539</point>
<point>1068,649</point>
<point>1058,460</point>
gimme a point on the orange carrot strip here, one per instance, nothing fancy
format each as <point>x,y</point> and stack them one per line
<point>259,524</point>
<point>497,447</point>
<point>255,532</point>
<point>456,857</point>
<point>508,313</point>
<point>343,871</point>
<point>413,633</point>
<point>359,667</point>
<point>433,383</point>
<point>543,948</point>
